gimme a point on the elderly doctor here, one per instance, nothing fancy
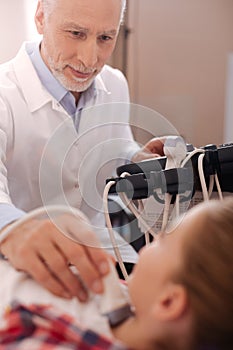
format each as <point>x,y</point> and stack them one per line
<point>57,140</point>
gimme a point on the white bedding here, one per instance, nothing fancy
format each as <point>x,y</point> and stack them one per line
<point>19,286</point>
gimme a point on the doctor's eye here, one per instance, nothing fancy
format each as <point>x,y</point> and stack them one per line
<point>77,34</point>
<point>105,38</point>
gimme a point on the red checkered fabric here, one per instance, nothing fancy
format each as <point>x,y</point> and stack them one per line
<point>44,328</point>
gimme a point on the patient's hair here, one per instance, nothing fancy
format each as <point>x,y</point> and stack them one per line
<point>208,276</point>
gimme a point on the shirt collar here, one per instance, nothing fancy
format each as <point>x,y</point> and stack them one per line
<point>54,87</point>
<point>29,59</point>
<point>46,77</point>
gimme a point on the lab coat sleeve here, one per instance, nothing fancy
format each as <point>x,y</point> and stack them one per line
<point>8,212</point>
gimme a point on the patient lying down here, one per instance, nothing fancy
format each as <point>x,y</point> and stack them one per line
<point>181,290</point>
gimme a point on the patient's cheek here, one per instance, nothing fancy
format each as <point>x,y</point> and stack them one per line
<point>135,288</point>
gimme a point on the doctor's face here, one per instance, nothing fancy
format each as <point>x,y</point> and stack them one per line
<point>78,38</point>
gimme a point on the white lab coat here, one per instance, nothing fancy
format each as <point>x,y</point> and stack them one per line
<point>43,160</point>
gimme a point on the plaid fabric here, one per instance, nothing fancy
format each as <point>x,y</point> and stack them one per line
<point>44,328</point>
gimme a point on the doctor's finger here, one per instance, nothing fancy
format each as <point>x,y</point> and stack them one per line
<point>90,270</point>
<point>58,265</point>
<point>84,238</point>
<point>37,269</point>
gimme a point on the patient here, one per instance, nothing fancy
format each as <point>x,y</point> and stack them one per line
<point>181,289</point>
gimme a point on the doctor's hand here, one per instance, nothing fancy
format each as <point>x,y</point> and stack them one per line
<point>38,248</point>
<point>152,149</point>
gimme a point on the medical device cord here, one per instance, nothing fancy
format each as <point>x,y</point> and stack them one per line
<point>213,179</point>
<point>110,229</point>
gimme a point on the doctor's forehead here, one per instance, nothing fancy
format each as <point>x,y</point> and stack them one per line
<point>50,4</point>
<point>111,9</point>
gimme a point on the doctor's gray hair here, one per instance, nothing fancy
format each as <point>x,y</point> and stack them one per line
<point>123,9</point>
<point>49,4</point>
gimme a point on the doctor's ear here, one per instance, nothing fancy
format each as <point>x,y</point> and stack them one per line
<point>171,304</point>
<point>39,18</point>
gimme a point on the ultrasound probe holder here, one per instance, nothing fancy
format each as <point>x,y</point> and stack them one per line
<point>150,175</point>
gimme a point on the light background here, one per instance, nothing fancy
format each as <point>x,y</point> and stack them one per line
<point>178,60</point>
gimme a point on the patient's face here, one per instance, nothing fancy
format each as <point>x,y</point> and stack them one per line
<point>160,262</point>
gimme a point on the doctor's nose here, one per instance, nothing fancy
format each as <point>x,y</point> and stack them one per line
<point>87,53</point>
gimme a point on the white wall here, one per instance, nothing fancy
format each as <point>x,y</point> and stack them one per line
<point>16,26</point>
<point>228,132</point>
<point>177,63</point>
<point>30,8</point>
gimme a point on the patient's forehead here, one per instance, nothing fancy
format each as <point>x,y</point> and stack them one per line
<point>194,222</point>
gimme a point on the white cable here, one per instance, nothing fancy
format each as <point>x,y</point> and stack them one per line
<point>190,155</point>
<point>175,149</point>
<point>167,204</point>
<point>109,225</point>
<point>202,177</point>
<point>110,229</point>
<point>177,205</point>
<point>146,233</point>
<point>138,215</point>
<point>213,178</point>
<point>140,206</point>
<point>137,212</point>
<point>218,186</point>
<point>211,185</point>
<point>182,165</point>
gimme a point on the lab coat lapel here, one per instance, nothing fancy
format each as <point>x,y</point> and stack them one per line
<point>35,94</point>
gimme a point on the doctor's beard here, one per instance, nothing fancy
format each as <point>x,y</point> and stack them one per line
<point>75,84</point>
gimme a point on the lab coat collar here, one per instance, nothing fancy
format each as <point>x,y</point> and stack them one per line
<point>99,84</point>
<point>34,92</point>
